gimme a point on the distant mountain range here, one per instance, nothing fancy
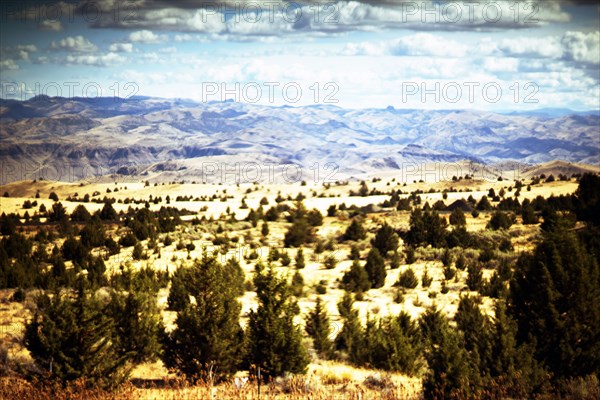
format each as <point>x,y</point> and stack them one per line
<point>141,135</point>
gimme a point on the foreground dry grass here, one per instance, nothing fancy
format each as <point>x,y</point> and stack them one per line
<point>324,382</point>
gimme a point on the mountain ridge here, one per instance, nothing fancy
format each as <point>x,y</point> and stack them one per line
<point>134,134</point>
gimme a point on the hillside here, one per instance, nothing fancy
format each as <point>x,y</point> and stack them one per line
<point>69,139</point>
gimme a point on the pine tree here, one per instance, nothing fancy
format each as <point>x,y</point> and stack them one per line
<point>318,327</point>
<point>375,267</point>
<point>275,342</point>
<point>208,337</point>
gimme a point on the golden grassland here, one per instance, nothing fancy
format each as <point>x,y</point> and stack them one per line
<point>325,380</point>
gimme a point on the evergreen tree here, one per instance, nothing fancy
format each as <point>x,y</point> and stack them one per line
<point>350,338</point>
<point>529,216</point>
<point>484,204</point>
<point>71,336</point>
<point>457,217</point>
<point>355,231</point>
<point>300,259</point>
<point>500,220</point>
<point>319,329</point>
<point>449,370</point>
<point>275,342</point>
<point>513,370</point>
<point>587,199</point>
<point>426,227</point>
<point>408,279</point>
<point>108,213</point>
<point>554,299</point>
<point>375,267</point>
<point>208,337</point>
<point>179,296</point>
<point>138,325</point>
<point>385,240</point>
<point>299,233</point>
<point>474,276</point>
<point>475,328</point>
<point>356,278</point>
<point>80,214</point>
<point>390,346</point>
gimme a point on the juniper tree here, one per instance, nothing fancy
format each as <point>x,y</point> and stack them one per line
<point>554,299</point>
<point>300,259</point>
<point>138,325</point>
<point>457,217</point>
<point>319,329</point>
<point>350,339</point>
<point>356,278</point>
<point>71,336</point>
<point>375,267</point>
<point>274,341</point>
<point>355,231</point>
<point>208,337</point>
<point>385,240</point>
<point>449,370</point>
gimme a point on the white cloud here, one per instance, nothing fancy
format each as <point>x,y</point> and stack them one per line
<point>531,47</point>
<point>501,64</point>
<point>51,25</point>
<point>8,64</point>
<point>77,44</point>
<point>330,18</point>
<point>20,52</point>
<point>104,60</point>
<point>121,47</point>
<point>582,47</point>
<point>146,36</point>
<point>418,44</point>
<point>572,46</point>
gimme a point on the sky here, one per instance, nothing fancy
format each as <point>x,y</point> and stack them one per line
<point>425,54</point>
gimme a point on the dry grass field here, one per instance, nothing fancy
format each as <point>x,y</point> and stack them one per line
<point>325,380</point>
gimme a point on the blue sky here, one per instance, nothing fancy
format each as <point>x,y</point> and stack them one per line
<point>489,55</point>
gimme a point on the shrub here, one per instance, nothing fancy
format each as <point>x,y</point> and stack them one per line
<point>330,262</point>
<point>408,279</point>
<point>426,279</point>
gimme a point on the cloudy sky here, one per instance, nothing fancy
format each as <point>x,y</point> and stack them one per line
<point>494,55</point>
